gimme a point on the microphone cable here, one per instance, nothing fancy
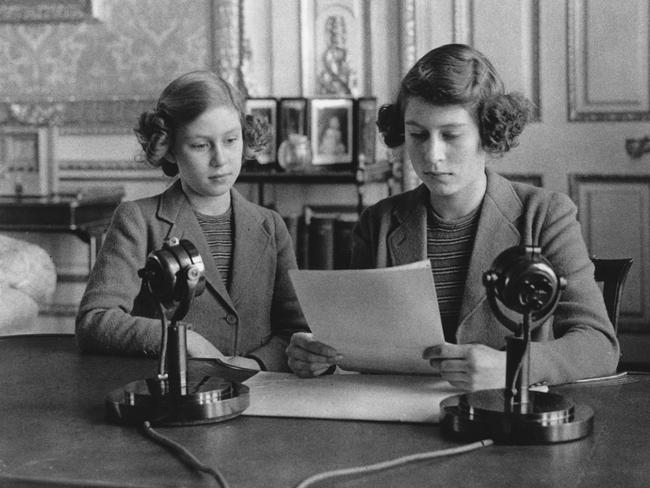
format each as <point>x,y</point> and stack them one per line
<point>186,456</point>
<point>392,463</point>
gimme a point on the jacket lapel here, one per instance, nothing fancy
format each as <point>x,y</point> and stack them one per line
<point>407,241</point>
<point>251,243</point>
<point>496,232</point>
<point>176,209</point>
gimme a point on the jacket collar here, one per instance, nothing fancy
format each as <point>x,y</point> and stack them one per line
<point>497,231</point>
<point>249,244</point>
<point>407,242</point>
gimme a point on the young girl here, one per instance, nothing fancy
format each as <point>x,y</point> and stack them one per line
<point>452,113</point>
<point>197,132</point>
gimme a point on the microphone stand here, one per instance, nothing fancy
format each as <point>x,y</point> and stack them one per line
<point>525,283</point>
<point>174,276</point>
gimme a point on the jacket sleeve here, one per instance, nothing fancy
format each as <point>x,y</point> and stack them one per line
<point>584,343</point>
<point>286,315</point>
<point>104,322</point>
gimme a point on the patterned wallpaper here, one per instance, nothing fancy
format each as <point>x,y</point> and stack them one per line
<point>133,50</point>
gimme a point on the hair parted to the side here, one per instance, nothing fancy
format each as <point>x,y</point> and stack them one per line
<point>457,74</point>
<point>181,102</point>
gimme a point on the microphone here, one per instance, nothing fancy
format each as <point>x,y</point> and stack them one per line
<point>174,275</point>
<point>521,281</point>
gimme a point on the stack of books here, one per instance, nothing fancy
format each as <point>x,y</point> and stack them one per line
<point>322,235</point>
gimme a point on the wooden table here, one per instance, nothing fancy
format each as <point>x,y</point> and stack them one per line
<point>52,427</point>
<point>85,215</point>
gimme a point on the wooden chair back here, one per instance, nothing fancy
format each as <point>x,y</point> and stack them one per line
<point>612,274</point>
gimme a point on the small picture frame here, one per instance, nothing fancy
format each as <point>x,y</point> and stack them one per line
<point>331,131</point>
<point>266,108</point>
<point>292,118</point>
<point>365,115</point>
<point>23,162</point>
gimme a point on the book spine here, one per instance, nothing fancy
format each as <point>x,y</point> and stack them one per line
<point>321,243</point>
<point>343,243</point>
<point>302,246</point>
<point>291,221</point>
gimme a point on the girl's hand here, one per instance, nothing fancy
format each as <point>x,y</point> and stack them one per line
<point>468,366</point>
<point>308,358</point>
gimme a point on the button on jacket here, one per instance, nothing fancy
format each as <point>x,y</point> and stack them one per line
<point>256,317</point>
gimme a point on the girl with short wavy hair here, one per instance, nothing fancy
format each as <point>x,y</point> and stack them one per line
<point>452,115</point>
<point>460,75</point>
<point>199,134</point>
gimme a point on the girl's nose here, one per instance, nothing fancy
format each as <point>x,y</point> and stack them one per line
<point>215,157</point>
<point>436,150</point>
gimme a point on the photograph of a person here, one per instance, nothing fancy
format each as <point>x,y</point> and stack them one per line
<point>266,109</point>
<point>331,131</point>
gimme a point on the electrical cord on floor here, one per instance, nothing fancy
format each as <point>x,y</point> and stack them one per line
<point>186,456</point>
<point>401,461</point>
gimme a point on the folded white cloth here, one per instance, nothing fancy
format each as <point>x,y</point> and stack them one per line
<point>28,268</point>
<point>27,282</point>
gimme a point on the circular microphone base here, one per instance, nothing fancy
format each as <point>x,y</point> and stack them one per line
<point>548,418</point>
<point>209,399</point>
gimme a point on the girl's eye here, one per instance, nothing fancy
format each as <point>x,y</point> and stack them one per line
<point>203,146</point>
<point>450,136</point>
<point>417,135</point>
<point>232,140</point>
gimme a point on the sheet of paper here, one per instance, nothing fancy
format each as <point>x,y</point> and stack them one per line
<point>380,320</point>
<point>390,398</point>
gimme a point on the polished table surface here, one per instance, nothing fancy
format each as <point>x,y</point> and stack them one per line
<point>52,427</point>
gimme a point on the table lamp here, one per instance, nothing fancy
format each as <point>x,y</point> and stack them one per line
<point>174,276</point>
<point>523,282</point>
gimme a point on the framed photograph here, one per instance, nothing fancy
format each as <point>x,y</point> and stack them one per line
<point>28,11</point>
<point>293,117</point>
<point>266,108</point>
<point>366,130</point>
<point>23,162</point>
<point>331,130</point>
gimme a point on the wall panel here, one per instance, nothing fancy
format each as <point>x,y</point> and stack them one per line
<point>608,62</point>
<point>614,212</point>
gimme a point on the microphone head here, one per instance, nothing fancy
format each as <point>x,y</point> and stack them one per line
<point>173,272</point>
<point>524,281</point>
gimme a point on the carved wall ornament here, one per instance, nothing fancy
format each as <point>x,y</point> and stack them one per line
<point>228,46</point>
<point>336,77</point>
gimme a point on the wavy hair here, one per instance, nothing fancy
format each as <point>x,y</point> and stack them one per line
<point>181,102</point>
<point>457,74</point>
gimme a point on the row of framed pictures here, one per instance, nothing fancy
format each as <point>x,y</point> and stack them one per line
<point>341,131</point>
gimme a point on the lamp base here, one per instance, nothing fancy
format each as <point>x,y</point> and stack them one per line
<point>549,418</point>
<point>208,399</point>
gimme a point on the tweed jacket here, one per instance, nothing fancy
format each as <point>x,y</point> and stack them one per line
<point>577,342</point>
<point>256,317</point>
